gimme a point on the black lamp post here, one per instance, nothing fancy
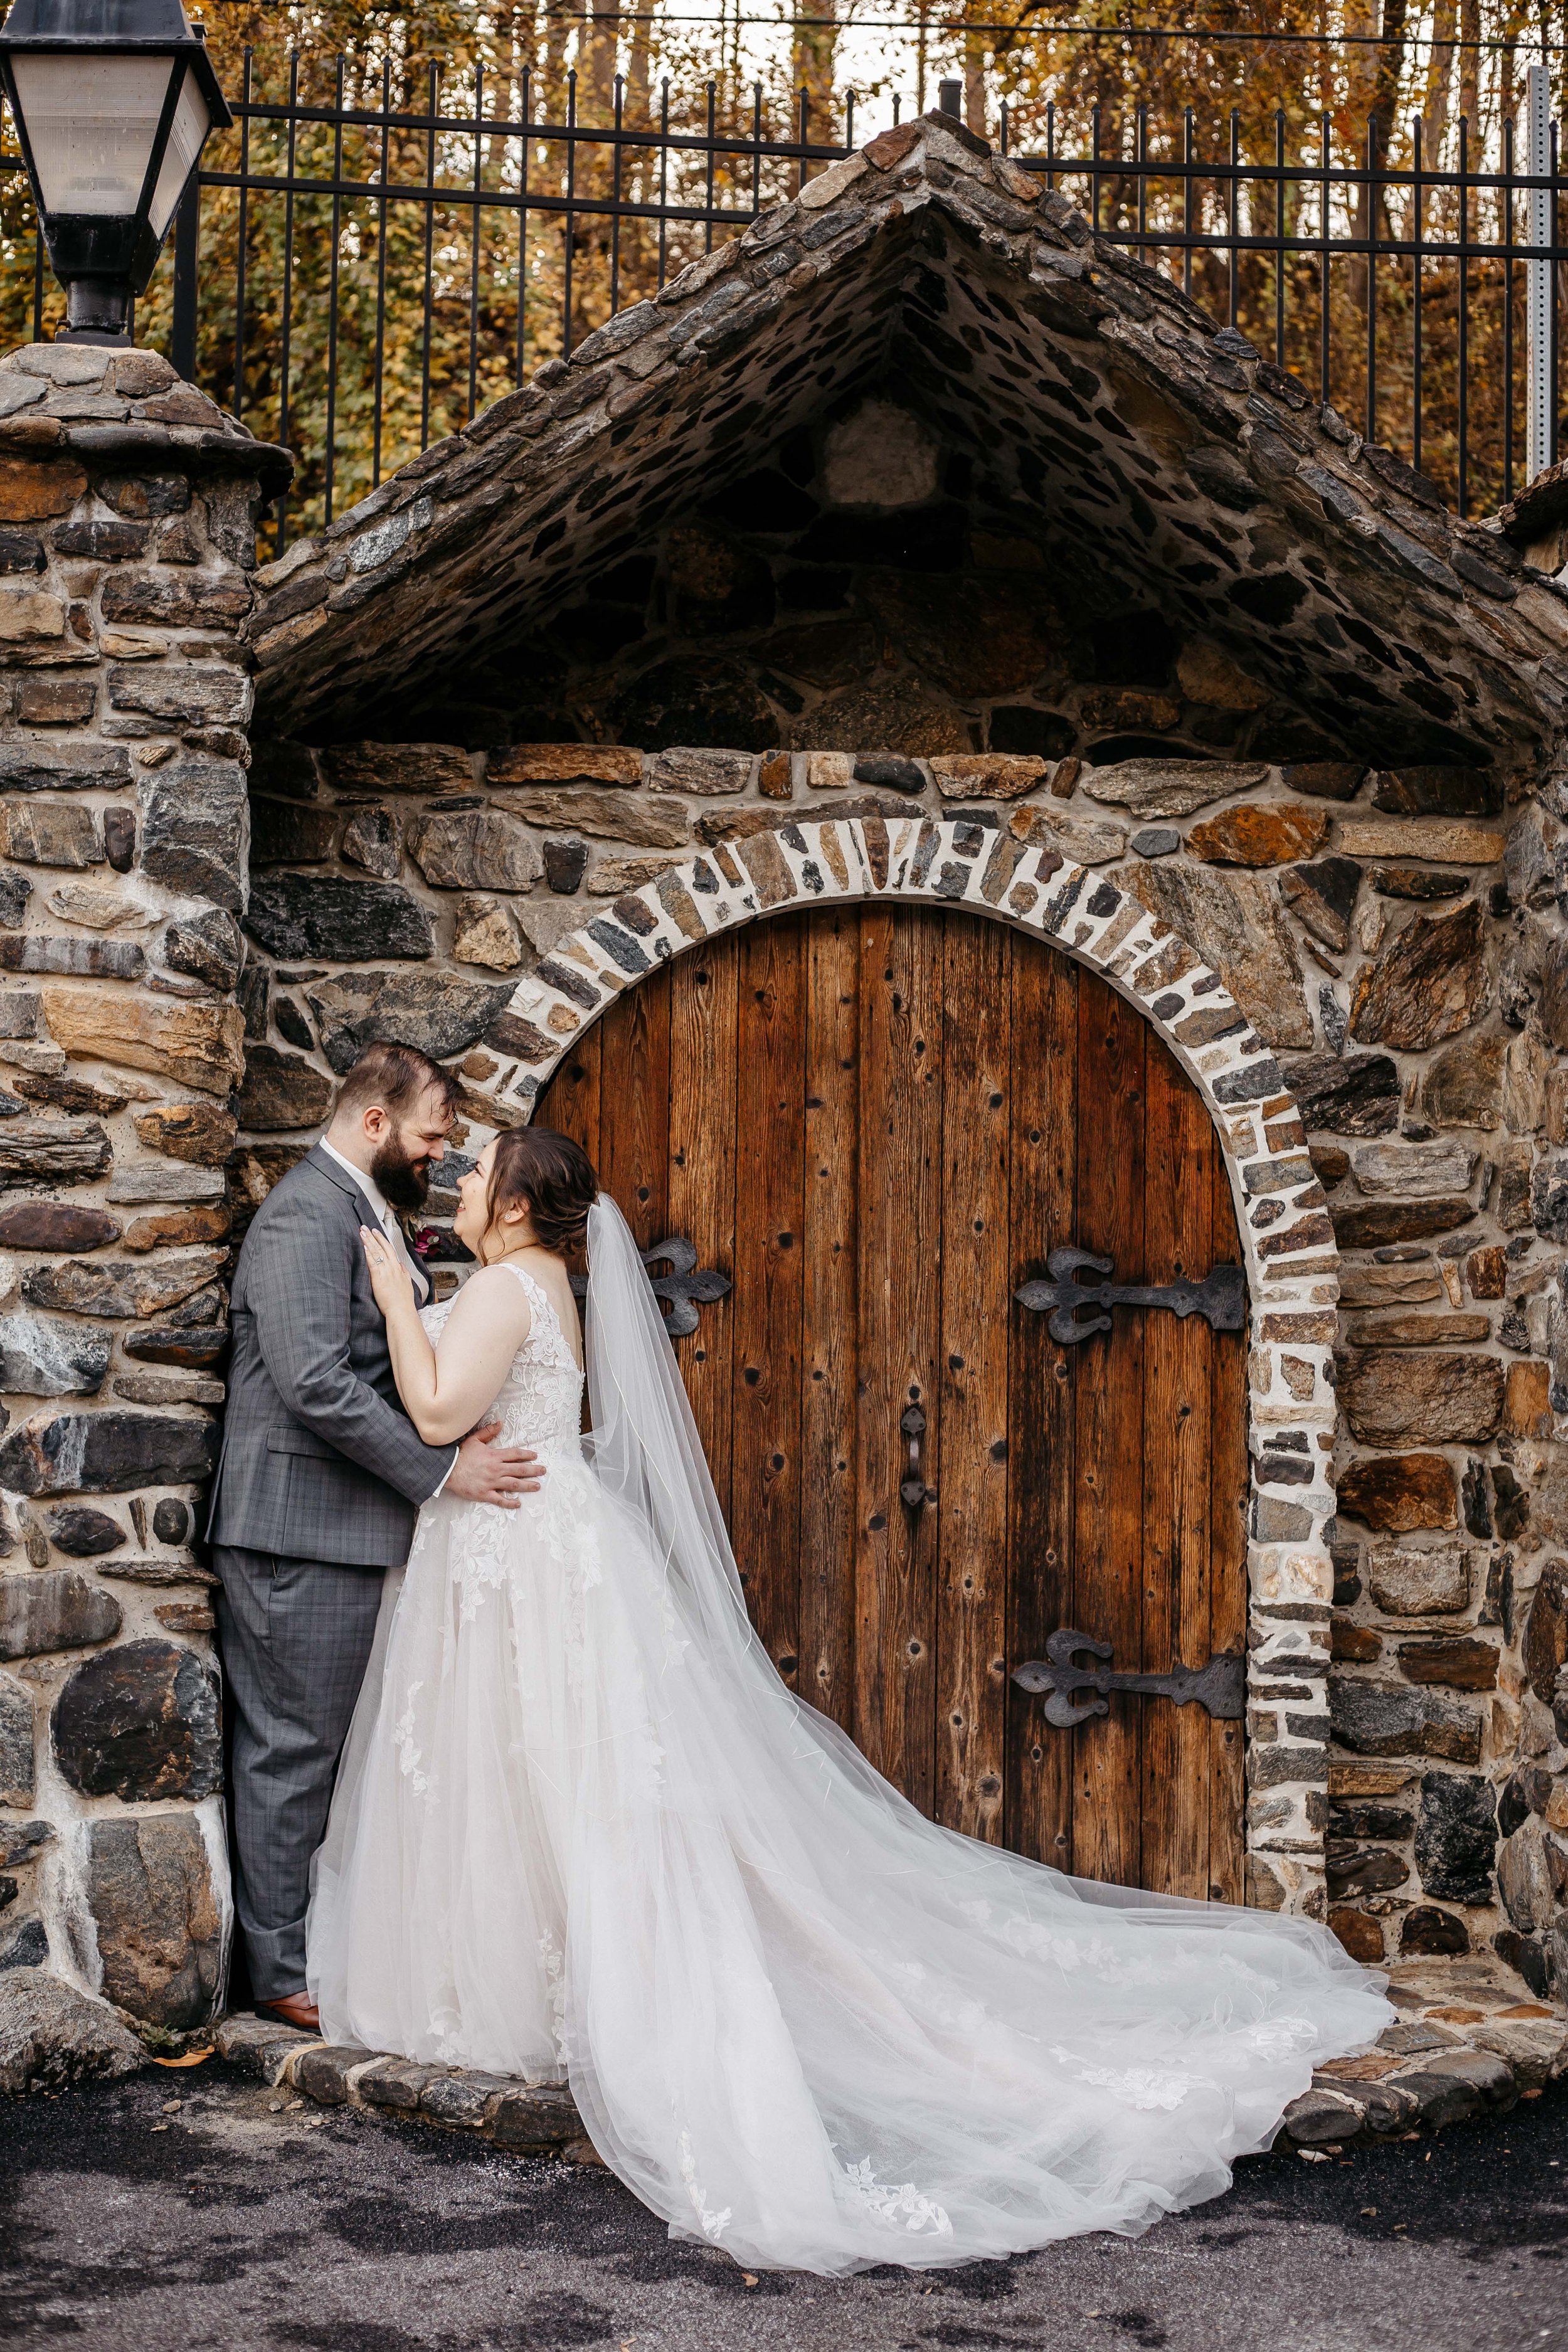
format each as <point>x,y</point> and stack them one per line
<point>112,100</point>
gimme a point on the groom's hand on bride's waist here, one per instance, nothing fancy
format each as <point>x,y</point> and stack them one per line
<point>485,1472</point>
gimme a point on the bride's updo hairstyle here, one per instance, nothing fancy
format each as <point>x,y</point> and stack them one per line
<point>553,1175</point>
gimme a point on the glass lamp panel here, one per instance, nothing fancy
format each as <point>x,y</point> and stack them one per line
<point>92,123</point>
<point>186,134</point>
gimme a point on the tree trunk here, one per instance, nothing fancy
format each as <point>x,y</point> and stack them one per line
<point>974,79</point>
<point>1385,96</point>
<point>814,59</point>
<point>1440,80</point>
<point>1471,64</point>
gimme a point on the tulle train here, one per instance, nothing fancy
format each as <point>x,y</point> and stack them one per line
<point>572,1840</point>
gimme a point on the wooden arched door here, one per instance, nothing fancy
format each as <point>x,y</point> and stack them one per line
<point>877,1120</point>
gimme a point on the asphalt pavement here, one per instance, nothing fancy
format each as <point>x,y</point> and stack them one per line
<point>193,2210</point>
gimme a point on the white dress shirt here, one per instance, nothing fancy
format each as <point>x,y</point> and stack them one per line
<point>383,1215</point>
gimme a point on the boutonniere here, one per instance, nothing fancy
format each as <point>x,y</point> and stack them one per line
<point>422,1239</point>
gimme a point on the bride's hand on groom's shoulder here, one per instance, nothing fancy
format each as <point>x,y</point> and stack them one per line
<point>389,1279</point>
<point>485,1472</point>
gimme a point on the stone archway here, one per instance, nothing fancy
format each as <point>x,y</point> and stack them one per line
<point>1286,1236</point>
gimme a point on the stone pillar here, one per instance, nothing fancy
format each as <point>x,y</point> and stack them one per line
<point>128,504</point>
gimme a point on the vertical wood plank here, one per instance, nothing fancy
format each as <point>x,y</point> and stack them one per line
<point>971,1595</point>
<point>1177,1405</point>
<point>765,1520</point>
<point>1042,1424</point>
<point>570,1104</point>
<point>1107,1553</point>
<point>634,1116</point>
<point>900,1254</point>
<point>828,1344</point>
<point>1229,1476</point>
<point>704,1048</point>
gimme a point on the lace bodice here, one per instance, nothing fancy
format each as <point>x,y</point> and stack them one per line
<point>540,1400</point>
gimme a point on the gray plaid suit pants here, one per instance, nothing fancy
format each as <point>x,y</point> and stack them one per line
<point>296,1636</point>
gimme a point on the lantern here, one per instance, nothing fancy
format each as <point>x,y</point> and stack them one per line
<point>112,100</point>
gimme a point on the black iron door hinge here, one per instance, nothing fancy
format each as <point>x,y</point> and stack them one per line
<point>1220,1298</point>
<point>1220,1687</point>
<point>682,1290</point>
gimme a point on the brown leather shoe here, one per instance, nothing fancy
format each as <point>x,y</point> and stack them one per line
<point>296,2009</point>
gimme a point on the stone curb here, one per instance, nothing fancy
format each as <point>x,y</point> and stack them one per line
<point>1423,2074</point>
<point>522,2118</point>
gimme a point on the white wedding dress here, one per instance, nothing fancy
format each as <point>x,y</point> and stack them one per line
<point>584,1833</point>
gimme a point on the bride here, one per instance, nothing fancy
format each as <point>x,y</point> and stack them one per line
<point>582,1833</point>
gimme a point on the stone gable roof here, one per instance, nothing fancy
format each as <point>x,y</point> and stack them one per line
<point>1145,440</point>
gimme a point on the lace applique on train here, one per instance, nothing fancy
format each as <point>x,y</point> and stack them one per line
<point>903,2208</point>
<point>1278,2037</point>
<point>406,1740</point>
<point>554,1968</point>
<point>1140,2086</point>
<point>712,2223</point>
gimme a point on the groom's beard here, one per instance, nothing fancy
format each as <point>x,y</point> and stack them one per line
<point>404,1182</point>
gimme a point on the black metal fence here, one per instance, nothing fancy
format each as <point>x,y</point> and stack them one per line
<point>359,276</point>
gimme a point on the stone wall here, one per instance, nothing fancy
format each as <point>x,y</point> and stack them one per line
<point>1390,933</point>
<point>127,507</point>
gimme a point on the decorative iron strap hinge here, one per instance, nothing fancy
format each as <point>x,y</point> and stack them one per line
<point>1220,1298</point>
<point>1220,1687</point>
<point>683,1289</point>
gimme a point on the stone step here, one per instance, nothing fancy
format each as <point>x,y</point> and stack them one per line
<point>524,2118</point>
<point>1424,2073</point>
<point>1431,2070</point>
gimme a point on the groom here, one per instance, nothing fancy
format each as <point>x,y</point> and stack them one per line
<point>321,1479</point>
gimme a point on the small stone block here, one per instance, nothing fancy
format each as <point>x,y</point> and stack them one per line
<point>321,2071</point>
<point>1390,2108</point>
<point>23,1842</point>
<point>538,2116</point>
<point>1408,2041</point>
<point>1321,2114</point>
<point>394,2083</point>
<point>84,1533</point>
<point>17,1776</point>
<point>1528,1410</point>
<point>49,2033</point>
<point>462,2099</point>
<point>566,863</point>
<point>171,1520</point>
<point>892,773</point>
<point>151,1182</point>
<point>258,2047</point>
<point>1156,841</point>
<point>827,772</point>
<point>1443,2097</point>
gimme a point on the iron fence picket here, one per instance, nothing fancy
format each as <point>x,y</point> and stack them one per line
<point>293,121</point>
<point>1415,130</point>
<point>1508,319</point>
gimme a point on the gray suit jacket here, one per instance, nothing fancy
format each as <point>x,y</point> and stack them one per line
<point>320,1461</point>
